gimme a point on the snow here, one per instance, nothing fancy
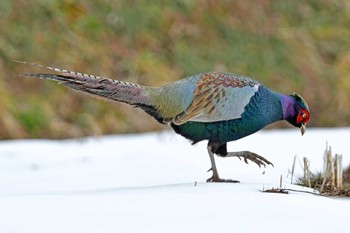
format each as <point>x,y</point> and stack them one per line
<point>155,182</point>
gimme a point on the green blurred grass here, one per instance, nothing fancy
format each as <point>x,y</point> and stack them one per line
<point>287,45</point>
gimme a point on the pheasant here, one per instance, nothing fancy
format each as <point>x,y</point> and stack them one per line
<point>214,106</point>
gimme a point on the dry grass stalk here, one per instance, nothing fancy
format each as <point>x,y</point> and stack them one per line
<point>328,168</point>
<point>281,182</point>
<point>293,168</point>
<point>338,171</point>
<point>333,172</point>
<point>307,173</point>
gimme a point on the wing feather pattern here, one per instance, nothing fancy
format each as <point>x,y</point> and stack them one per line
<point>218,97</point>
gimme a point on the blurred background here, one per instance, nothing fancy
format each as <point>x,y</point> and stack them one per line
<point>288,45</point>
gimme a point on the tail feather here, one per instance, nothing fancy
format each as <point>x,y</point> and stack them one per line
<point>116,90</point>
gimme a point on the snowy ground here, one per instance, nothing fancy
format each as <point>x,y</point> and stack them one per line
<point>156,183</point>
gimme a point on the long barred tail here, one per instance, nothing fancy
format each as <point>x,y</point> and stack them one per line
<point>116,90</point>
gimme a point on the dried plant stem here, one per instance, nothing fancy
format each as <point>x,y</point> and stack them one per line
<point>338,171</point>
<point>293,168</point>
<point>281,182</point>
<point>306,173</point>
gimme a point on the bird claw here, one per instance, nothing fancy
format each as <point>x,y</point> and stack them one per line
<point>257,159</point>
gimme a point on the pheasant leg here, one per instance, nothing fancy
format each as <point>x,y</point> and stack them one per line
<point>215,177</point>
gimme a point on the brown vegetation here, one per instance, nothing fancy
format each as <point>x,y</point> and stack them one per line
<point>332,181</point>
<point>288,45</point>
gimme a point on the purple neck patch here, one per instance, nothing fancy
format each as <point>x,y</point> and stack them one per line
<point>287,106</point>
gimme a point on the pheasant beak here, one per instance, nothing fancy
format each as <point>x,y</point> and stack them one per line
<point>302,129</point>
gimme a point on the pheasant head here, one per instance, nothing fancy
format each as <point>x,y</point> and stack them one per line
<point>296,112</point>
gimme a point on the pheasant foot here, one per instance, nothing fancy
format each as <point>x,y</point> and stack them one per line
<point>216,178</point>
<point>247,155</point>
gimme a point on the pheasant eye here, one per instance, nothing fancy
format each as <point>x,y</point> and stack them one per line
<point>304,115</point>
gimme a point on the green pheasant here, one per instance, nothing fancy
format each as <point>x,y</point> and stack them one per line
<point>214,106</point>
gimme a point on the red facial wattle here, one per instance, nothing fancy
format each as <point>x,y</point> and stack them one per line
<point>303,116</point>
